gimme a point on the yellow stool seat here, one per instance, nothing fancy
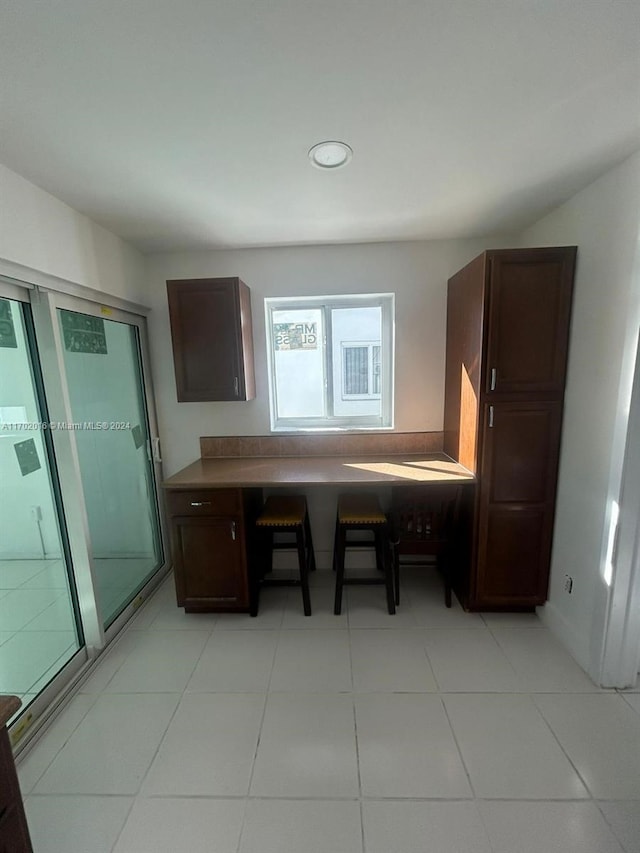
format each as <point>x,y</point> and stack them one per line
<point>282,511</point>
<point>360,509</point>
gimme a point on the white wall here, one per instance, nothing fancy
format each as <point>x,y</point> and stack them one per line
<point>603,220</point>
<point>416,271</point>
<point>42,233</point>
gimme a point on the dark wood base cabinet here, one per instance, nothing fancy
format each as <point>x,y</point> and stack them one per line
<point>212,548</point>
<point>14,833</point>
<point>507,341</point>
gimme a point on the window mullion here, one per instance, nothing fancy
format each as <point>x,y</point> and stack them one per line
<point>328,362</point>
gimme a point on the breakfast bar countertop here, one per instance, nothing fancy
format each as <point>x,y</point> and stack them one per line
<point>264,471</point>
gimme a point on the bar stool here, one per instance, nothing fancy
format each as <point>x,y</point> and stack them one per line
<point>288,514</point>
<point>357,512</point>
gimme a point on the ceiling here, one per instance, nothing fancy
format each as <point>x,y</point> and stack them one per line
<point>185,124</point>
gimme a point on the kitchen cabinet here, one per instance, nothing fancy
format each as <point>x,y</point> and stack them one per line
<point>508,323</point>
<point>211,333</point>
<point>212,548</point>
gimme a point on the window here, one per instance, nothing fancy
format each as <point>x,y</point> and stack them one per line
<point>331,362</point>
<point>360,371</point>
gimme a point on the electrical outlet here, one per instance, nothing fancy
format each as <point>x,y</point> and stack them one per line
<point>36,513</point>
<point>568,584</point>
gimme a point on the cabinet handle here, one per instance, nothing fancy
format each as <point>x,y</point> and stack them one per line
<point>233,530</point>
<point>236,386</point>
<point>200,503</point>
<point>494,378</point>
<point>490,416</point>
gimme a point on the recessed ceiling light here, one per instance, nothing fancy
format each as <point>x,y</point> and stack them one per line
<point>330,155</point>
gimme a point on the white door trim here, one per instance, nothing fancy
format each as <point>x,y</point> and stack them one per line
<point>621,648</point>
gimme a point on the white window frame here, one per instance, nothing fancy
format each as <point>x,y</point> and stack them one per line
<point>384,301</point>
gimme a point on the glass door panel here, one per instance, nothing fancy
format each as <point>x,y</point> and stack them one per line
<point>39,624</point>
<point>105,381</point>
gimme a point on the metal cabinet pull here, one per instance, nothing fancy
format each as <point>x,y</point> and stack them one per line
<point>490,416</point>
<point>200,503</point>
<point>233,530</point>
<point>236,386</point>
<point>494,378</point>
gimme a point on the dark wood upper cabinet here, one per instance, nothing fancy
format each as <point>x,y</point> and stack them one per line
<point>212,339</point>
<point>508,321</point>
<point>529,303</point>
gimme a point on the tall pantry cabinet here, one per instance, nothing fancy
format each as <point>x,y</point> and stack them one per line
<point>507,338</point>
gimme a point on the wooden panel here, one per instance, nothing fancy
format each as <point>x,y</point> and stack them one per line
<point>514,556</point>
<point>246,339</point>
<point>465,305</point>
<point>14,837</point>
<point>529,306</point>
<point>212,339</point>
<point>209,566</point>
<point>204,502</point>
<point>520,452</point>
<point>14,833</point>
<point>8,785</point>
<point>516,503</point>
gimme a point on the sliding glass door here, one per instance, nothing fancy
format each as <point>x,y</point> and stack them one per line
<point>40,628</point>
<point>81,536</point>
<point>103,367</point>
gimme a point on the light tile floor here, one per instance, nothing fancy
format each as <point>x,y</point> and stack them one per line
<point>38,627</point>
<point>433,730</point>
<point>38,635</point>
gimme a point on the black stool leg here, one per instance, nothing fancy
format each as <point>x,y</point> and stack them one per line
<point>311,556</point>
<point>445,568</point>
<point>304,575</point>
<point>268,563</point>
<point>338,563</point>
<point>383,563</point>
<point>336,536</point>
<point>395,557</point>
<point>264,542</point>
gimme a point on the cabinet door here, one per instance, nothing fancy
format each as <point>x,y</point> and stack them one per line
<point>211,335</point>
<point>209,563</point>
<point>529,308</point>
<point>517,499</point>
